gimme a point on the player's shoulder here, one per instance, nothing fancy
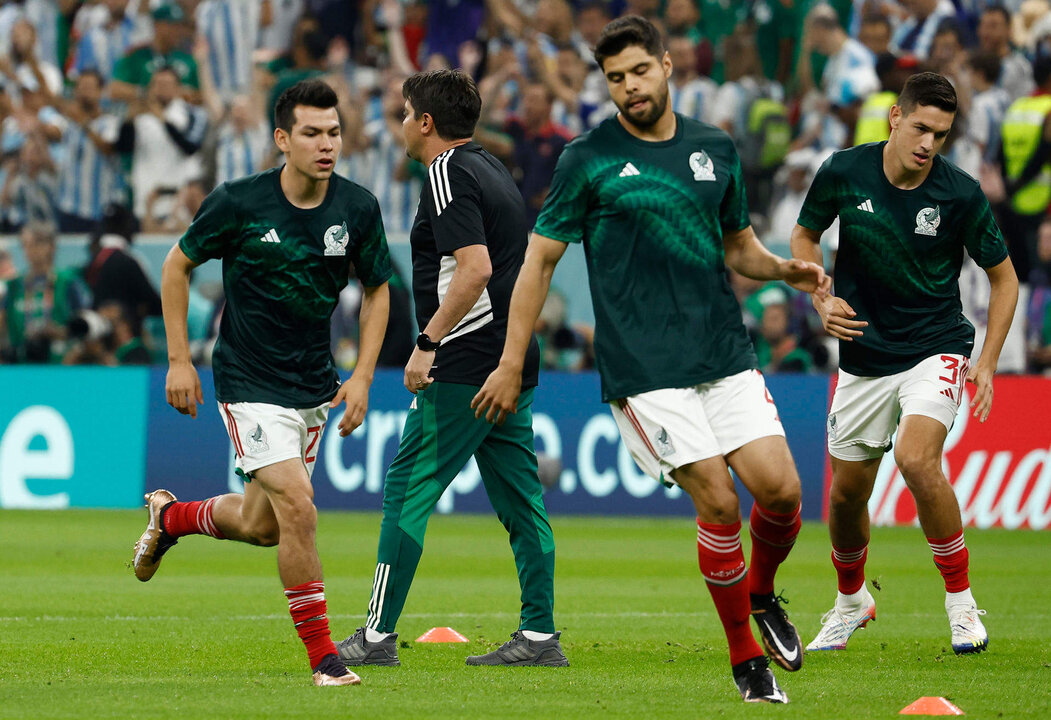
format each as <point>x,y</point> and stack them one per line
<point>352,192</point>
<point>468,165</point>
<point>698,131</point>
<point>249,186</point>
<point>959,181</point>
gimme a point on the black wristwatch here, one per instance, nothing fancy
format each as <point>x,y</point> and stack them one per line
<point>424,342</point>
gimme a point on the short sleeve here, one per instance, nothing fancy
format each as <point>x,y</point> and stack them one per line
<point>563,214</point>
<point>214,228</point>
<point>371,256</point>
<point>456,219</point>
<point>981,236</point>
<point>733,210</point>
<point>819,208</point>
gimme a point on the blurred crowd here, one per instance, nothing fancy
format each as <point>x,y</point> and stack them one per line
<point>119,116</point>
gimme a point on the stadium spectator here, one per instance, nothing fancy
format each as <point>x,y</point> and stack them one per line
<point>777,34</point>
<point>126,340</point>
<point>994,35</point>
<point>1038,313</point>
<point>875,33</point>
<point>230,29</point>
<point>134,71</point>
<point>948,54</point>
<point>777,348</point>
<point>692,94</point>
<point>113,273</point>
<point>916,32</point>
<point>308,60</point>
<point>172,215</point>
<point>873,123</point>
<point>111,30</point>
<point>41,302</point>
<point>30,184</point>
<point>989,103</point>
<point>23,68</point>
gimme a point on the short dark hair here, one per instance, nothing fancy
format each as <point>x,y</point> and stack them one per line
<point>625,32</point>
<point>985,63</point>
<point>91,72</point>
<point>877,19</point>
<point>999,9</point>
<point>927,88</point>
<point>311,93</point>
<point>450,97</point>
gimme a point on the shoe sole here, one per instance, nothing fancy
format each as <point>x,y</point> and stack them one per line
<point>522,663</point>
<point>370,663</point>
<point>870,618</point>
<point>973,649</point>
<point>321,680</point>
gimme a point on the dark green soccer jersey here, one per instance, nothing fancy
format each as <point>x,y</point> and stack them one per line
<point>651,216</point>
<point>899,257</point>
<point>283,270</point>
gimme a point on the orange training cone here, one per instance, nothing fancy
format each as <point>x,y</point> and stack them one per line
<point>441,635</point>
<point>931,706</point>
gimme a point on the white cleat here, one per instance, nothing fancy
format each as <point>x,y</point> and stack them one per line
<point>839,624</point>
<point>968,632</point>
<point>321,679</point>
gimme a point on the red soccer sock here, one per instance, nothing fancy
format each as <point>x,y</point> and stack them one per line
<point>952,559</point>
<point>190,518</point>
<point>306,605</point>
<point>722,564</point>
<point>850,568</point>
<point>773,535</point>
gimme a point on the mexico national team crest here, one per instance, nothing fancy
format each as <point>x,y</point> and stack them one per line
<point>702,166</point>
<point>256,440</point>
<point>928,220</point>
<point>664,443</point>
<point>336,238</point>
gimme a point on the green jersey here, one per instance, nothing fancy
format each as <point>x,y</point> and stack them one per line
<point>899,257</point>
<point>651,216</point>
<point>138,66</point>
<point>283,270</point>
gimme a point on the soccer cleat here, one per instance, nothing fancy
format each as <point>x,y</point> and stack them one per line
<point>968,632</point>
<point>330,671</point>
<point>520,650</point>
<point>838,624</point>
<point>356,650</point>
<point>780,637</point>
<point>756,683</point>
<point>155,541</point>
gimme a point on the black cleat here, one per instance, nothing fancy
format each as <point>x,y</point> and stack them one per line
<point>520,650</point>
<point>756,683</point>
<point>780,639</point>
<point>356,650</point>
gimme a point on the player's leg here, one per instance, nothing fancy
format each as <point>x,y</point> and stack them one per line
<point>930,399</point>
<point>440,435</point>
<point>669,435</point>
<point>507,463</point>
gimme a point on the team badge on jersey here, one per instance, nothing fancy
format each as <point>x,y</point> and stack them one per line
<point>702,166</point>
<point>928,220</point>
<point>832,432</point>
<point>664,444</point>
<point>256,440</point>
<point>336,238</point>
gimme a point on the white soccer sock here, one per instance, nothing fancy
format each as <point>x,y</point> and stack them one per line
<point>963,597</point>
<point>530,635</point>
<point>851,601</point>
<point>373,636</point>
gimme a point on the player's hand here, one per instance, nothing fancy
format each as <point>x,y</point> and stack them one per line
<point>982,378</point>
<point>418,370</point>
<point>803,275</point>
<point>837,317</point>
<point>499,395</point>
<point>183,388</point>
<point>356,394</point>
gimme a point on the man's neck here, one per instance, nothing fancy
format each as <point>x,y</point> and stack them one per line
<point>663,129</point>
<point>439,147</point>
<point>302,191</point>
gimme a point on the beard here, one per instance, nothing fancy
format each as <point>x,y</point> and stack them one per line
<point>648,116</point>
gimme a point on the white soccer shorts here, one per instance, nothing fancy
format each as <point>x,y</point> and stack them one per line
<point>866,410</point>
<point>666,429</point>
<point>265,434</point>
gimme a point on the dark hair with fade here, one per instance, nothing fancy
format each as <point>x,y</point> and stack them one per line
<point>450,97</point>
<point>998,10</point>
<point>311,93</point>
<point>625,32</point>
<point>927,88</point>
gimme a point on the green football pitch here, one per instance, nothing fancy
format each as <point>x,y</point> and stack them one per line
<point>210,636</point>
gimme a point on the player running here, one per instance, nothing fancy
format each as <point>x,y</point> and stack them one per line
<point>468,240</point>
<point>906,216</point>
<point>289,239</point>
<point>658,202</point>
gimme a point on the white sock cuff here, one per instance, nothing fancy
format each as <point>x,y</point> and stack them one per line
<point>374,636</point>
<point>530,635</point>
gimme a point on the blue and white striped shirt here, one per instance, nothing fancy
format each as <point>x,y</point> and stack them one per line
<point>101,47</point>
<point>87,179</point>
<point>231,28</point>
<point>695,99</point>
<point>239,154</point>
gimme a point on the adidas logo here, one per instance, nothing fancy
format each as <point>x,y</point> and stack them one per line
<point>270,237</point>
<point>629,170</point>
<point>866,206</point>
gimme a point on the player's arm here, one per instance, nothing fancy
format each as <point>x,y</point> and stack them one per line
<point>473,269</point>
<point>747,256</point>
<point>182,386</point>
<point>372,321</point>
<point>499,394</point>
<point>1003,296</point>
<point>837,317</point>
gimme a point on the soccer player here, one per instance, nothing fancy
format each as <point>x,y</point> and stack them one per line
<point>658,202</point>
<point>906,216</point>
<point>288,238</point>
<point>468,241</point>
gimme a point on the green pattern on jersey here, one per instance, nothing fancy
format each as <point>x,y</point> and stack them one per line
<point>651,216</point>
<point>283,270</point>
<point>899,257</point>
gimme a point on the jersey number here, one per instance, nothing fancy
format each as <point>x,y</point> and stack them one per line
<point>314,434</point>
<point>952,364</point>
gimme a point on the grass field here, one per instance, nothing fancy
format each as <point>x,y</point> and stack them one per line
<point>210,637</point>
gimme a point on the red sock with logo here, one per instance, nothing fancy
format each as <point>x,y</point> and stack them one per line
<point>190,518</point>
<point>721,560</point>
<point>306,604</point>
<point>952,559</point>
<point>850,568</point>
<point>773,535</point>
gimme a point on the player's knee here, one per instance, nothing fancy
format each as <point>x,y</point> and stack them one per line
<point>780,498</point>
<point>299,512</point>
<point>919,468</point>
<point>844,496</point>
<point>267,535</point>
